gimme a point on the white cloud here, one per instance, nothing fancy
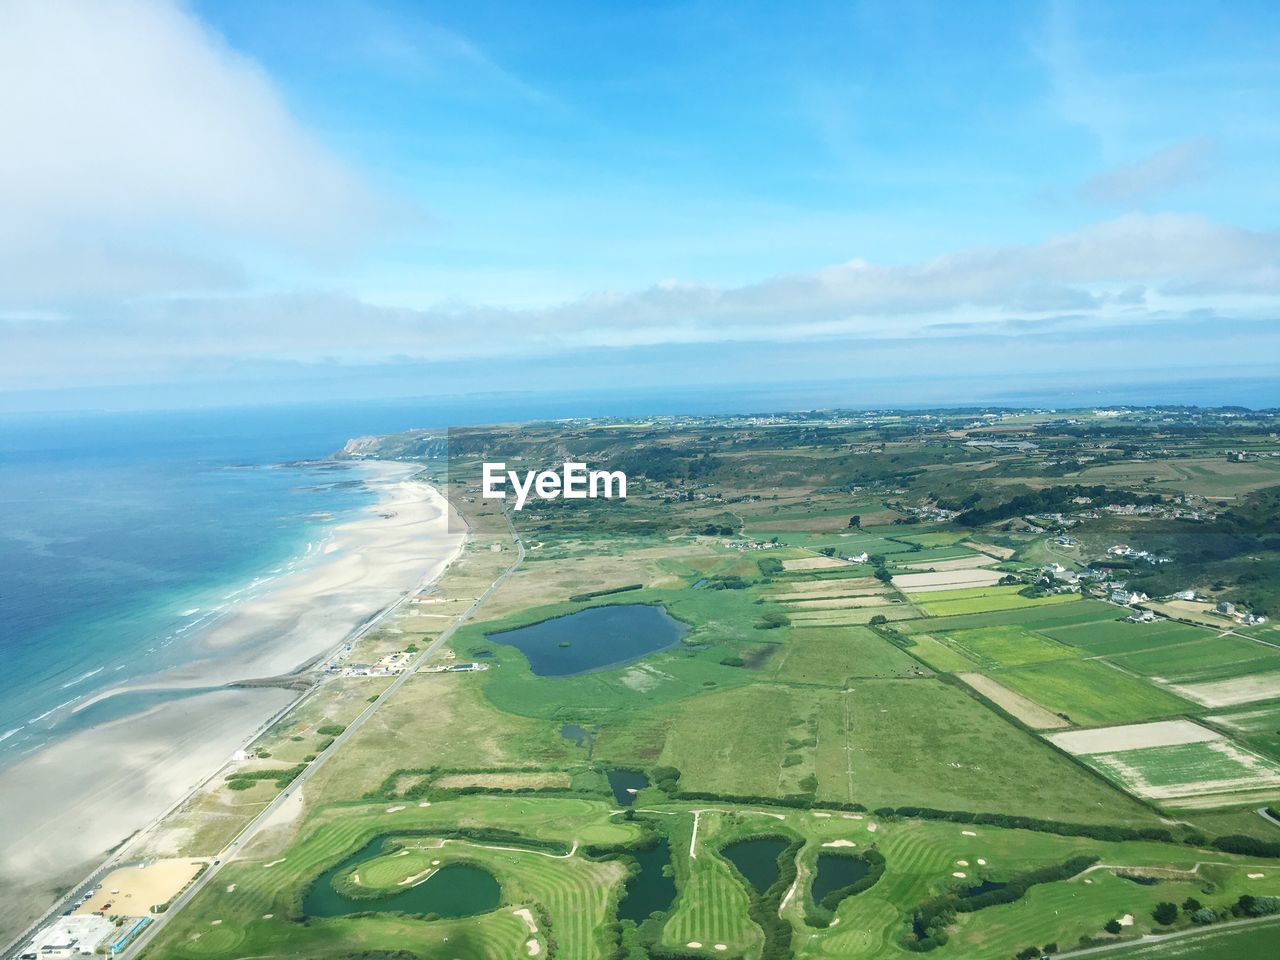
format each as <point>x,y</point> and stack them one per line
<point>129,116</point>
<point>1135,269</point>
<point>1158,173</point>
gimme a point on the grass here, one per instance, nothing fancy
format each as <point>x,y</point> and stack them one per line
<point>1033,618</point>
<point>829,656</point>
<point>950,603</point>
<point>1008,646</point>
<point>1230,943</point>
<point>1258,726</point>
<point>926,742</point>
<point>1091,693</point>
<point>940,656</point>
<point>1201,661</point>
<point>1119,636</point>
<point>574,891</point>
<point>1187,769</point>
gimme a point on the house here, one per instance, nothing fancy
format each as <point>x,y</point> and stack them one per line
<point>1224,607</point>
<point>1142,616</point>
<point>1119,550</point>
<point>1185,595</point>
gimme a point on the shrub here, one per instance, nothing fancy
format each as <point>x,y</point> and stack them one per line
<point>1165,913</point>
<point>1112,926</point>
<point>1204,915</point>
<point>330,729</point>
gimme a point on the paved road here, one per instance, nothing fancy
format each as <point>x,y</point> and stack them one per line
<point>256,825</point>
<point>1163,938</point>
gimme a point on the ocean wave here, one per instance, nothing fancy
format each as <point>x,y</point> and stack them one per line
<point>9,733</point>
<point>83,677</point>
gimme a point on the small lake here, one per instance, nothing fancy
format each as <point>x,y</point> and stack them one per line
<point>579,736</point>
<point>622,782</point>
<point>455,890</point>
<point>835,872</point>
<point>757,859</point>
<point>986,886</point>
<point>650,889</point>
<point>594,639</point>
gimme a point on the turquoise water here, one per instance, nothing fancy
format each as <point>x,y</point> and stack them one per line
<point>594,639</point>
<point>122,537</point>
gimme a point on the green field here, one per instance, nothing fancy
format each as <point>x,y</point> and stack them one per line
<point>1188,770</point>
<point>951,603</point>
<point>1118,636</point>
<point>1007,646</point>
<point>831,655</point>
<point>1091,693</point>
<point>930,743</point>
<point>1201,661</point>
<point>1258,726</point>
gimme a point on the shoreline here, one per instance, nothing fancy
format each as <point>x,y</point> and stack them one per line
<point>106,786</point>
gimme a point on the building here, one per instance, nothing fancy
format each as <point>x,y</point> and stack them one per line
<point>66,937</point>
<point>1224,607</point>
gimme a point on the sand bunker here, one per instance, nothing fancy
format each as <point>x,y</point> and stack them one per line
<point>395,809</point>
<point>872,828</point>
<point>694,944</point>
<point>1133,736</point>
<point>839,843</point>
<point>525,914</point>
<point>968,833</point>
<point>1256,876</point>
<point>959,873</point>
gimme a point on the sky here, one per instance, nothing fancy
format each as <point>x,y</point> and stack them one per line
<point>242,201</point>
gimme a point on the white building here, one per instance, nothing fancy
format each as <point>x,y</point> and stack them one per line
<point>74,936</point>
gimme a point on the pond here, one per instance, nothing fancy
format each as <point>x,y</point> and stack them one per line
<point>986,886</point>
<point>756,859</point>
<point>594,639</point>
<point>579,736</point>
<point>622,782</point>
<point>650,889</point>
<point>455,890</point>
<point>836,872</point>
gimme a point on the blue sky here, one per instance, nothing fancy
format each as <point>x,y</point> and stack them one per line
<point>252,199</point>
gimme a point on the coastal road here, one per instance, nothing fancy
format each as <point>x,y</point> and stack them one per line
<point>256,825</point>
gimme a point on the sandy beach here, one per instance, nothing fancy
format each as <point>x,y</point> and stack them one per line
<point>69,804</point>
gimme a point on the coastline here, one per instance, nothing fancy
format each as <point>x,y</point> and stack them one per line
<point>69,804</point>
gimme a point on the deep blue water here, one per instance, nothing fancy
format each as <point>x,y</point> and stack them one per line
<point>594,639</point>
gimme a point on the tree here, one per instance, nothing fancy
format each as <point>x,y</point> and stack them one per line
<point>1191,905</point>
<point>855,521</point>
<point>1112,926</point>
<point>1165,913</point>
<point>878,620</point>
<point>1204,915</point>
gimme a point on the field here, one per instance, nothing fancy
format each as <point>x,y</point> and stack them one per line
<point>950,603</point>
<point>1090,693</point>
<point>1007,646</point>
<point>1175,762</point>
<point>832,655</point>
<point>785,710</point>
<point>1203,661</point>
